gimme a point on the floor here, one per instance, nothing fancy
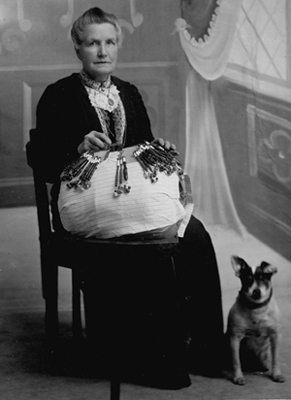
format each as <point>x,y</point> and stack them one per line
<point>23,375</point>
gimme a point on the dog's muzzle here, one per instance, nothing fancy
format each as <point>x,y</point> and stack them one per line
<point>256,294</point>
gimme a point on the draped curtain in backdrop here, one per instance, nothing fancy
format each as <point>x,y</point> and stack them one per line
<point>206,34</point>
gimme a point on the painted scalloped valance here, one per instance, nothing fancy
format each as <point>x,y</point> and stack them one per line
<point>206,32</point>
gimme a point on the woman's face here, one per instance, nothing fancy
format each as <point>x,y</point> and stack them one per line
<point>98,50</point>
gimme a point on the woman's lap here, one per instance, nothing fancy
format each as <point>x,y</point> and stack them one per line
<point>201,320</point>
<point>200,291</point>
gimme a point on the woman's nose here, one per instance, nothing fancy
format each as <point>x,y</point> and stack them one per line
<point>102,50</point>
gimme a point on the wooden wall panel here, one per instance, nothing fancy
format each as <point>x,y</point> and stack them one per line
<point>256,137</point>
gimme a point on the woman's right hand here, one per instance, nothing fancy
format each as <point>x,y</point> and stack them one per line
<point>94,141</point>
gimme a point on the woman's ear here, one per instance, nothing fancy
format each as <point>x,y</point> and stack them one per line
<point>77,50</point>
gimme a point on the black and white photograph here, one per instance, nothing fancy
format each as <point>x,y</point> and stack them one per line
<point>145,199</point>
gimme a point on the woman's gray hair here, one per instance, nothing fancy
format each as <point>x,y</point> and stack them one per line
<point>94,16</point>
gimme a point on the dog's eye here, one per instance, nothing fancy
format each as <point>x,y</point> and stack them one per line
<point>249,281</point>
<point>262,277</point>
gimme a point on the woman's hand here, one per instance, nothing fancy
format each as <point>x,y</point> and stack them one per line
<point>94,141</point>
<point>166,145</point>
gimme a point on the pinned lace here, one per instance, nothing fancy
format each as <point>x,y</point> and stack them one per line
<point>121,176</point>
<point>153,158</point>
<point>79,173</point>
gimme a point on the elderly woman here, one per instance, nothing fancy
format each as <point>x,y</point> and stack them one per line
<point>93,110</point>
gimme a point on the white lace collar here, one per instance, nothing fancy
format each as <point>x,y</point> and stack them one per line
<point>103,95</point>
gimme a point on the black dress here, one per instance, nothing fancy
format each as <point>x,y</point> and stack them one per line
<point>190,340</point>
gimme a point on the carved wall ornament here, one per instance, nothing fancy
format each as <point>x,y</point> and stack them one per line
<point>67,19</point>
<point>269,149</point>
<point>24,24</point>
<point>276,151</point>
<point>12,37</point>
<point>136,19</point>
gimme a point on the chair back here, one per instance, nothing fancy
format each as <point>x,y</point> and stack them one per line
<point>41,188</point>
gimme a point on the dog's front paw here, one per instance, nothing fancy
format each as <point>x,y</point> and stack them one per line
<point>239,380</point>
<point>278,378</point>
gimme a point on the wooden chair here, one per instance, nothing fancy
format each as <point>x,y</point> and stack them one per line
<point>73,252</point>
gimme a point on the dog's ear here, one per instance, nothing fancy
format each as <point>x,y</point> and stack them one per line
<point>238,264</point>
<point>268,268</point>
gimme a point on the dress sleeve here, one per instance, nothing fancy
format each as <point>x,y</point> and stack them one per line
<point>139,126</point>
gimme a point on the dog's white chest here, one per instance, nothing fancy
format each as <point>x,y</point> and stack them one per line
<point>258,328</point>
<point>258,323</point>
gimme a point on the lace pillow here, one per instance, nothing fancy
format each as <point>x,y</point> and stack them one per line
<point>147,207</point>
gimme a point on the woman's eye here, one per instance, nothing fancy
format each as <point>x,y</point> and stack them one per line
<point>92,43</point>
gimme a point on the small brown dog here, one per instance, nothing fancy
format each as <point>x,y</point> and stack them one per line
<point>254,319</point>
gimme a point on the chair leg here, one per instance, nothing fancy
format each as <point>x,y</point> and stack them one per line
<point>115,381</point>
<point>76,300</point>
<point>51,321</point>
<point>114,388</point>
<point>50,294</point>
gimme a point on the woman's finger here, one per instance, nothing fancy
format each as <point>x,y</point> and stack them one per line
<point>97,141</point>
<point>167,145</point>
<point>101,136</point>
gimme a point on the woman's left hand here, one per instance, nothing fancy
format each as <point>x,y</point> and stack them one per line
<point>166,145</point>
